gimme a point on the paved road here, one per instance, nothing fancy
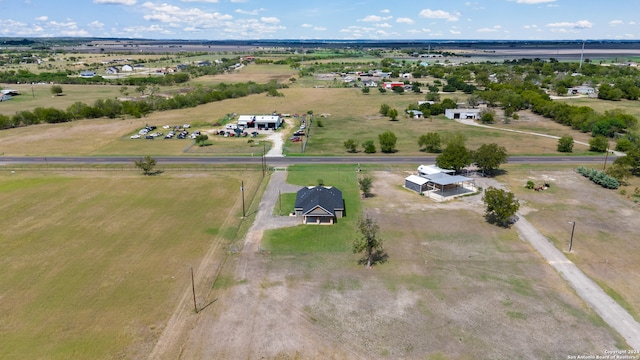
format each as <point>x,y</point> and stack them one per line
<point>289,160</point>
<point>610,311</point>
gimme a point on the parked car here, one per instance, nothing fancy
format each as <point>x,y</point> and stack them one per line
<point>167,127</point>
<point>186,126</point>
<point>136,136</point>
<point>149,137</point>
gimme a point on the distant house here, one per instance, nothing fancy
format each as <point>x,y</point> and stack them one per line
<point>462,113</point>
<point>438,183</point>
<point>319,205</point>
<point>369,83</point>
<point>111,70</point>
<point>126,68</point>
<point>582,90</point>
<point>4,97</point>
<point>87,74</point>
<point>391,84</point>
<point>204,63</point>
<point>415,114</point>
<point>260,121</point>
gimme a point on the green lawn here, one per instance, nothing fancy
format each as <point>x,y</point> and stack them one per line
<point>322,238</point>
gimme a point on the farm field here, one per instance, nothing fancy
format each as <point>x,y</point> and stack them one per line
<point>94,262</point>
<point>450,286</point>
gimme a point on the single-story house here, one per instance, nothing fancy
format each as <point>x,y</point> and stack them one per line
<point>391,84</point>
<point>111,70</point>
<point>369,83</point>
<point>126,68</point>
<point>9,92</point>
<point>4,97</point>
<point>87,74</point>
<point>415,114</point>
<point>462,113</point>
<point>260,121</point>
<point>416,183</point>
<point>319,204</point>
<point>583,90</point>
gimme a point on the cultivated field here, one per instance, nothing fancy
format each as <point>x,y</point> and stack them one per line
<point>95,262</point>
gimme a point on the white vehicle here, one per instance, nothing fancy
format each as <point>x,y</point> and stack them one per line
<point>186,126</point>
<point>137,136</point>
<point>167,127</point>
<point>143,132</point>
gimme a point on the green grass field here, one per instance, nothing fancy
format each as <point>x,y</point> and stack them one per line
<point>94,262</point>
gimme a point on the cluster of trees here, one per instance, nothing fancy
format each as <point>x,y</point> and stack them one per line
<point>68,77</point>
<point>456,156</point>
<point>112,108</point>
<point>388,111</point>
<point>387,141</point>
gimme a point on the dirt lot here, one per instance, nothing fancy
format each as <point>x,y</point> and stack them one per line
<point>452,287</point>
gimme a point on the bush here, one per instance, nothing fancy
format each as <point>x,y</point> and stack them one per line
<point>530,184</point>
<point>599,177</point>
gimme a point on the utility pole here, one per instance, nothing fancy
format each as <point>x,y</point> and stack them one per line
<point>193,288</point>
<point>242,191</point>
<point>606,155</point>
<point>572,230</point>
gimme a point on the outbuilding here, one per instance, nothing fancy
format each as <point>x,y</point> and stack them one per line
<point>462,113</point>
<point>416,183</point>
<point>260,121</point>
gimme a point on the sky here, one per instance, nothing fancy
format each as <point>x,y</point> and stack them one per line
<point>326,19</point>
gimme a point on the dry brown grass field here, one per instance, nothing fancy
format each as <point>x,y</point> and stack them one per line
<point>451,287</point>
<point>94,262</point>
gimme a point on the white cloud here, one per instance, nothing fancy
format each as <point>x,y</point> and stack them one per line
<point>249,12</point>
<point>375,18</point>
<point>534,2</point>
<point>319,28</point>
<point>96,25</point>
<point>491,29</point>
<point>438,14</point>
<point>270,20</point>
<point>383,25</point>
<point>194,17</point>
<point>615,22</point>
<point>203,1</point>
<point>582,24</point>
<point>385,11</point>
<point>454,32</point>
<point>405,20</point>
<point>42,18</point>
<point>307,25</point>
<point>115,2</point>
<point>530,26</point>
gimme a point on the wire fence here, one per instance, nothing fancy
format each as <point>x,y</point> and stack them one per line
<point>126,168</point>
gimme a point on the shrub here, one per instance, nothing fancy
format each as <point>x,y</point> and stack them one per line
<point>599,177</point>
<point>530,184</point>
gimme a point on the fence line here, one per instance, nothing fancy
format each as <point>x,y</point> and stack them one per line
<point>124,168</point>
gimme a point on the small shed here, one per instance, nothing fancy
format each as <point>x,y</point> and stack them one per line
<point>416,183</point>
<point>415,114</point>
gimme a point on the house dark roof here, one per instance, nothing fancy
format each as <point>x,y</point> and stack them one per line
<point>327,198</point>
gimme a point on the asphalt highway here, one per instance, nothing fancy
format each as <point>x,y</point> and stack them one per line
<point>282,161</point>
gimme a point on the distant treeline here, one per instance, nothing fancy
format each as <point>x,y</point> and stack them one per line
<point>64,77</point>
<point>111,108</point>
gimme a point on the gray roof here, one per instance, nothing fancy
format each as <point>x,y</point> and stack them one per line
<point>328,198</point>
<point>445,179</point>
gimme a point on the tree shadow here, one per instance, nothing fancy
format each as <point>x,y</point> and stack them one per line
<point>154,173</point>
<point>504,223</point>
<point>378,257</point>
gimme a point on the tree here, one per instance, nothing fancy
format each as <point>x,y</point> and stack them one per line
<point>56,90</point>
<point>146,164</point>
<point>384,109</point>
<point>565,144</point>
<point>365,183</point>
<point>599,144</point>
<point>369,147</point>
<point>431,142</point>
<point>455,156</point>
<point>351,146</point>
<point>487,118</point>
<point>501,206</point>
<point>369,239</point>
<point>393,114</point>
<point>201,139</point>
<point>488,157</point>
<point>366,90</point>
<point>387,142</point>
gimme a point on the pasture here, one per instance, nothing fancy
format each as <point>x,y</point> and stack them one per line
<point>94,262</point>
